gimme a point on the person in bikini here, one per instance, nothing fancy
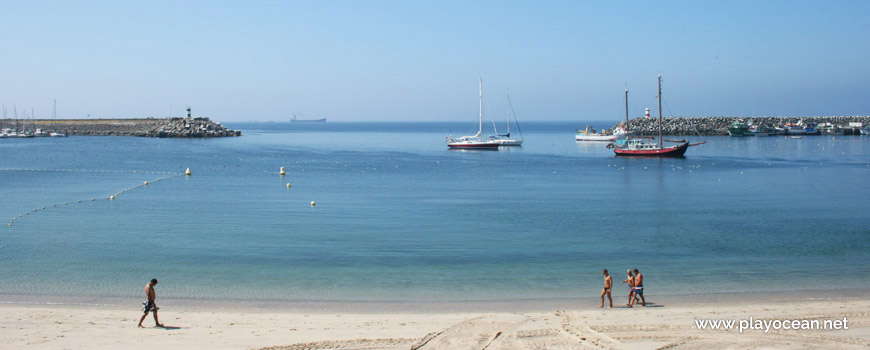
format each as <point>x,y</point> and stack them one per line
<point>638,288</point>
<point>630,281</point>
<point>608,284</point>
<point>150,305</point>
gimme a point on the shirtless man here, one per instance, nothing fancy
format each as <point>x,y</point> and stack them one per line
<point>608,284</point>
<point>638,288</point>
<point>150,305</point>
<point>630,281</point>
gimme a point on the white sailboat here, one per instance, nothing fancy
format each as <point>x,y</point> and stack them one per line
<point>505,139</point>
<point>54,120</point>
<point>476,141</point>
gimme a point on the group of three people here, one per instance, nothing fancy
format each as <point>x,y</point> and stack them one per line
<point>635,288</point>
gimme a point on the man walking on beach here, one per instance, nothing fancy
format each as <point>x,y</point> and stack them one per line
<point>630,280</point>
<point>149,303</point>
<point>638,288</point>
<point>608,284</point>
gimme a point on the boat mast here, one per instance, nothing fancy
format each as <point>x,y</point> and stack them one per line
<point>660,110</point>
<point>626,106</point>
<point>508,109</point>
<point>480,115</point>
<point>54,110</point>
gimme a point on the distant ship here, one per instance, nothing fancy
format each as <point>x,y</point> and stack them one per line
<point>296,120</point>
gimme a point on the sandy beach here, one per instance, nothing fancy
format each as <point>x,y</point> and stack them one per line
<point>658,326</point>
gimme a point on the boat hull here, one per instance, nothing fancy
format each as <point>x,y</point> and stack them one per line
<point>509,142</point>
<point>803,132</point>
<point>473,145</point>
<point>580,137</point>
<point>677,151</point>
<point>740,133</point>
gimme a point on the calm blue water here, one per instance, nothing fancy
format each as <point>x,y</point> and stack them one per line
<point>400,217</point>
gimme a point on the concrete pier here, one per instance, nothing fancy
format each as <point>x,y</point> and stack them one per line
<point>719,125</point>
<point>149,127</point>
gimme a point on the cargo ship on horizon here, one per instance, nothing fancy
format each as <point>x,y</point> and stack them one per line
<point>297,120</point>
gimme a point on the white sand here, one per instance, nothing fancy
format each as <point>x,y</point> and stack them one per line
<point>660,327</point>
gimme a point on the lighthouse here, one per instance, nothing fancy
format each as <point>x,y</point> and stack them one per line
<point>647,113</point>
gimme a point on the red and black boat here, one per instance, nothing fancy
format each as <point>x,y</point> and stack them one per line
<point>636,147</point>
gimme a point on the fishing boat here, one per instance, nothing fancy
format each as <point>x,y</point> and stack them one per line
<point>801,128</point>
<point>764,130</point>
<point>634,146</point>
<point>475,141</point>
<point>739,129</point>
<point>591,135</point>
<point>505,139</point>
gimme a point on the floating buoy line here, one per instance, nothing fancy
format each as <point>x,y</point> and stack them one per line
<point>110,197</point>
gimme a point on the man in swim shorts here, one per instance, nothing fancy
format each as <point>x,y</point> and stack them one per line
<point>150,305</point>
<point>608,284</point>
<point>638,288</point>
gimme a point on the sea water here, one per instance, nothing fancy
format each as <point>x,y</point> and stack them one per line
<point>399,217</point>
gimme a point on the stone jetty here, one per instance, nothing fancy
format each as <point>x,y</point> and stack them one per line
<point>148,127</point>
<point>719,125</point>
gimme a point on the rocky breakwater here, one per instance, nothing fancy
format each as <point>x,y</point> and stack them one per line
<point>719,125</point>
<point>150,127</point>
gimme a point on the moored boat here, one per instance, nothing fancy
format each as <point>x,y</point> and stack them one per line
<point>739,129</point>
<point>802,129</point>
<point>505,139</point>
<point>764,130</point>
<point>475,141</point>
<point>591,135</point>
<point>636,147</point>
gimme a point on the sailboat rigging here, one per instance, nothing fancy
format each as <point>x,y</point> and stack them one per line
<point>636,146</point>
<point>505,139</point>
<point>476,141</point>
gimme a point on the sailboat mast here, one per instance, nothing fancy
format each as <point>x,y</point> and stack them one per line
<point>480,103</point>
<point>660,111</point>
<point>626,106</point>
<point>54,110</point>
<point>507,108</point>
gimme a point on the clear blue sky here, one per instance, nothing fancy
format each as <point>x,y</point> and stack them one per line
<point>420,60</point>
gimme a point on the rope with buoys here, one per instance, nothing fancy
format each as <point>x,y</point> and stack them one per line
<point>110,197</point>
<point>90,171</point>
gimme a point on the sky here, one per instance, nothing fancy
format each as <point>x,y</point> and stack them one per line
<point>421,60</point>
